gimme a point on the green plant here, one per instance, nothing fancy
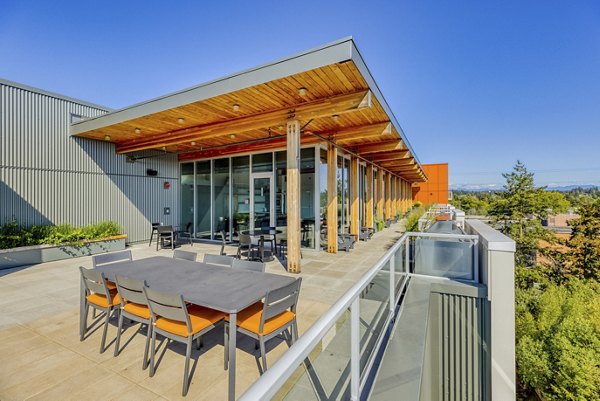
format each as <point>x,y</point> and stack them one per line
<point>13,235</point>
<point>379,223</point>
<point>412,220</point>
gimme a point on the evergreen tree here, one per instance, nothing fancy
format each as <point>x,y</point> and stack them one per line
<point>585,243</point>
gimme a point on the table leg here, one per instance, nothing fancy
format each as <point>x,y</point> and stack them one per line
<point>232,348</point>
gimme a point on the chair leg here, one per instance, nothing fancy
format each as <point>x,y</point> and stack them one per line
<point>119,328</point>
<point>294,331</point>
<point>200,343</point>
<point>186,377</point>
<point>226,346</point>
<point>85,316</point>
<point>263,354</point>
<point>148,334</point>
<point>152,352</point>
<point>105,330</point>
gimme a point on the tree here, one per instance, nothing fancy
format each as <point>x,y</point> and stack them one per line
<point>585,243</point>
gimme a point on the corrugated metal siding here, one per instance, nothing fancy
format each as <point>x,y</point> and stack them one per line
<point>462,347</point>
<point>47,176</point>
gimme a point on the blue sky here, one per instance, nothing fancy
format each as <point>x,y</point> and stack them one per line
<point>477,84</point>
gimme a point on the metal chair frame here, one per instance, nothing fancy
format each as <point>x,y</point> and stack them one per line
<point>185,255</point>
<point>248,265</point>
<point>218,260</point>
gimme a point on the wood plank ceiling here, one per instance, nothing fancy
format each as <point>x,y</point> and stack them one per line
<point>333,103</point>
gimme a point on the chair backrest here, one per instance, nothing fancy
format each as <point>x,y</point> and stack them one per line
<point>164,229</point>
<point>248,265</point>
<point>155,225</point>
<point>169,306</point>
<point>94,281</point>
<point>185,255</point>
<point>131,290</point>
<point>218,260</point>
<point>107,258</point>
<point>244,239</point>
<point>280,300</point>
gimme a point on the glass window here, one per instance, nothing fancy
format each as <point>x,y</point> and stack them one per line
<point>280,190</point>
<point>323,196</point>
<point>203,199</point>
<point>220,197</point>
<point>307,197</point>
<point>240,176</point>
<point>262,162</point>
<point>187,196</point>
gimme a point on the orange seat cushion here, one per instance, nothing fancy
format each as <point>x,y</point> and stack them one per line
<point>138,309</point>
<point>100,300</point>
<point>249,319</point>
<point>200,318</point>
<point>110,285</point>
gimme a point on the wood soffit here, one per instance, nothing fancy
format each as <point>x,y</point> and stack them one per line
<point>336,105</point>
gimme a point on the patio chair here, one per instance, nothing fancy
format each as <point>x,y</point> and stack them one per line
<point>248,265</point>
<point>154,230</point>
<point>265,320</point>
<point>345,242</point>
<point>270,238</point>
<point>108,258</point>
<point>186,234</point>
<point>245,243</point>
<point>134,306</point>
<point>223,242</point>
<point>365,233</point>
<point>99,297</point>
<point>218,260</point>
<point>165,233</point>
<point>185,255</point>
<point>173,319</point>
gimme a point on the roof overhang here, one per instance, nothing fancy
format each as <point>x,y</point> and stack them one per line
<point>340,103</point>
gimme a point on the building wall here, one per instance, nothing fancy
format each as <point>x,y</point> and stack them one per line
<point>435,190</point>
<point>49,177</point>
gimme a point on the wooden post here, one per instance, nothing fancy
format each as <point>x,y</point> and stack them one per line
<point>394,196</point>
<point>332,201</point>
<point>388,196</point>
<point>380,194</point>
<point>354,204</point>
<point>369,197</point>
<point>293,196</point>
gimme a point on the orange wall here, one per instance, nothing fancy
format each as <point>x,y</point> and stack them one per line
<point>435,190</point>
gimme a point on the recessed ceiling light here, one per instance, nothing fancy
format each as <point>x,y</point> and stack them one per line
<point>302,91</point>
<point>335,117</point>
<point>232,136</point>
<point>193,143</point>
<point>137,130</point>
<point>280,127</point>
<point>107,137</point>
<point>181,120</point>
<point>164,148</point>
<point>236,107</point>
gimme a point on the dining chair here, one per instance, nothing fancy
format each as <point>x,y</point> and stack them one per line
<point>223,242</point>
<point>265,320</point>
<point>270,238</point>
<point>218,260</point>
<point>99,297</point>
<point>185,234</point>
<point>185,255</point>
<point>175,320</point>
<point>248,265</point>
<point>245,243</point>
<point>165,233</point>
<point>134,306</point>
<point>109,258</point>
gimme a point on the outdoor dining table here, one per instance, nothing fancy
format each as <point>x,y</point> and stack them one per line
<point>220,288</point>
<point>261,234</point>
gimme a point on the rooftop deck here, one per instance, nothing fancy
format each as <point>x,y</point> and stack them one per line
<point>42,357</point>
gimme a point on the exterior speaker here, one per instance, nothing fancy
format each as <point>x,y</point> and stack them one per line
<point>151,172</point>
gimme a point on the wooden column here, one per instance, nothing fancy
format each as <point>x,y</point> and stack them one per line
<point>380,194</point>
<point>394,196</point>
<point>332,201</point>
<point>369,197</point>
<point>293,196</point>
<point>354,204</point>
<point>388,196</point>
<point>399,196</point>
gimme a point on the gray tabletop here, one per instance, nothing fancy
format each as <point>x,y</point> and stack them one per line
<point>221,288</point>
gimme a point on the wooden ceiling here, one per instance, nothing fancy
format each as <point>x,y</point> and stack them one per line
<point>336,105</point>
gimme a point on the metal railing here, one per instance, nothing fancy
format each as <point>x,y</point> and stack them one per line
<point>430,216</point>
<point>397,265</point>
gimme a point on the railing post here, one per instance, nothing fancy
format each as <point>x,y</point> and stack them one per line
<point>392,283</point>
<point>406,255</point>
<point>355,349</point>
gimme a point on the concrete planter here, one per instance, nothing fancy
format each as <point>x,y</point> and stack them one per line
<point>31,255</point>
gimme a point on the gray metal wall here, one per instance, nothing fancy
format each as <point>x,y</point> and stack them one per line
<point>49,177</point>
<point>456,358</point>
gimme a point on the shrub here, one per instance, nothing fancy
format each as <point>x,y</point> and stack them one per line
<point>558,340</point>
<point>12,235</point>
<point>412,220</point>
